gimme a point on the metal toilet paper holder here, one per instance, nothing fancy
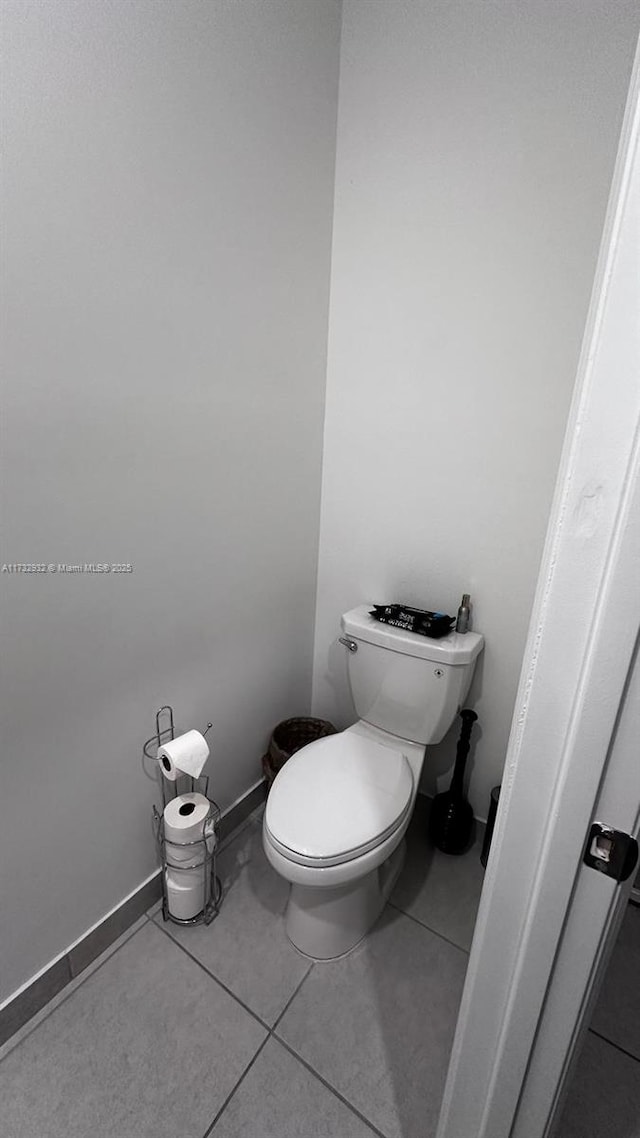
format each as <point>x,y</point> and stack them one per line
<point>204,848</point>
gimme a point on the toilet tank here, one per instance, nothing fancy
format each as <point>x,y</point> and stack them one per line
<point>409,685</point>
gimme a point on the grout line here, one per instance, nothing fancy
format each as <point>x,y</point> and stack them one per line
<point>435,932</point>
<point>270,1030</point>
<point>343,1100</point>
<point>292,998</point>
<point>248,820</point>
<point>617,1046</point>
<point>211,975</point>
<point>237,1085</point>
<point>70,989</point>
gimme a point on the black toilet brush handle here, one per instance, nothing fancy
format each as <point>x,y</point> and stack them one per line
<point>468,718</point>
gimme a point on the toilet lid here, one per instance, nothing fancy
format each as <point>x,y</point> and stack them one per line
<point>337,797</point>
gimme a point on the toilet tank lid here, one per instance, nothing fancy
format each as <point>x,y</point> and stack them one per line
<point>456,648</point>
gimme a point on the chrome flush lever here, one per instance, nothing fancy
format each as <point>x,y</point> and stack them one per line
<point>350,644</point>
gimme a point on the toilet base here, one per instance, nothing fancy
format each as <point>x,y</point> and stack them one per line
<point>325,923</point>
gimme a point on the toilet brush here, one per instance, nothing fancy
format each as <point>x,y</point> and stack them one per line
<point>451,817</point>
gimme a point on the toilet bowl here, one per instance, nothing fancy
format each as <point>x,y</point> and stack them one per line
<point>333,827</point>
<point>338,810</point>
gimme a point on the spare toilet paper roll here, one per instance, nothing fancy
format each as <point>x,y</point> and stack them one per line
<point>186,895</point>
<point>185,755</point>
<point>187,819</point>
<point>185,816</point>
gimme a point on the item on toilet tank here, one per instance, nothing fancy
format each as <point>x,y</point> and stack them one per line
<point>186,754</point>
<point>422,621</point>
<point>464,614</point>
<point>451,816</point>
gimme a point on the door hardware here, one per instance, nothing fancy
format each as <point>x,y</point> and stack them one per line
<point>611,852</point>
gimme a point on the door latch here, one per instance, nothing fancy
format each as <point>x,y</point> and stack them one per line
<point>611,852</point>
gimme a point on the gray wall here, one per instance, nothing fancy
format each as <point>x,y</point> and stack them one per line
<point>476,143</point>
<point>167,232</point>
<point>167,237</point>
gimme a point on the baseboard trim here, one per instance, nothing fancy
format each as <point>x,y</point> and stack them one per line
<point>240,810</point>
<point>32,996</point>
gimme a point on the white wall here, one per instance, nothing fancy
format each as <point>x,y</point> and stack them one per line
<point>475,149</point>
<point>167,232</point>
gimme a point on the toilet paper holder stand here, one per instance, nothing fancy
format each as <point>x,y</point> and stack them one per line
<point>204,849</point>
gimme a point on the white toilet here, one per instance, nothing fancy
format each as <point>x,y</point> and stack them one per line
<point>338,810</point>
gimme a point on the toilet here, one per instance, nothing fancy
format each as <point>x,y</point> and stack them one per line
<point>338,810</point>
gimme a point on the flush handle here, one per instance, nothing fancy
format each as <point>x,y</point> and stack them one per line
<point>350,644</point>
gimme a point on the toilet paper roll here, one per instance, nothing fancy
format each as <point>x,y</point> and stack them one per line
<point>185,816</point>
<point>187,819</point>
<point>189,855</point>
<point>185,755</point>
<point>186,896</point>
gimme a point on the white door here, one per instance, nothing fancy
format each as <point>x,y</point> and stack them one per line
<point>539,898</point>
<point>593,921</point>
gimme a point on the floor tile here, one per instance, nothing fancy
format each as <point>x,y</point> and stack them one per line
<point>280,1098</point>
<point>617,1013</point>
<point>148,1046</point>
<point>440,890</point>
<point>604,1094</point>
<point>246,946</point>
<point>378,1025</point>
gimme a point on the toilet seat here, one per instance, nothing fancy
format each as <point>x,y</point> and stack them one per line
<point>338,798</point>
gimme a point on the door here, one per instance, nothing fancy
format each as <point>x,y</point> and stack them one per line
<point>577,663</point>
<point>593,922</point>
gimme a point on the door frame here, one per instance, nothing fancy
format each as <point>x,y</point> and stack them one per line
<point>584,624</point>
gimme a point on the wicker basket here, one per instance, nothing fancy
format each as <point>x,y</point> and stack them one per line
<point>290,736</point>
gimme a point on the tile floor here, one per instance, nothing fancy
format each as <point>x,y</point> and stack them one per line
<point>228,1031</point>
